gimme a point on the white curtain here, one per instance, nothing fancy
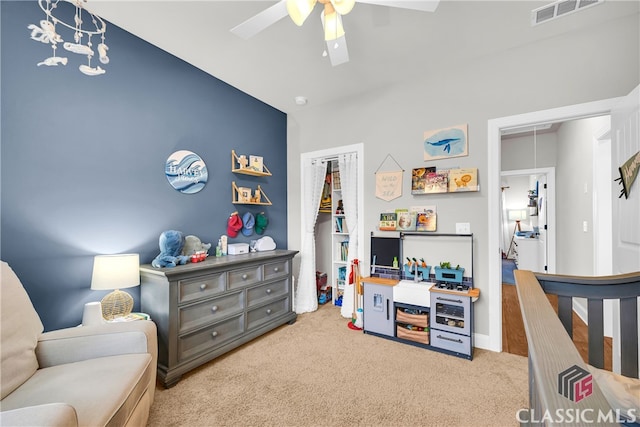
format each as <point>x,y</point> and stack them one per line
<point>306,299</point>
<point>348,166</point>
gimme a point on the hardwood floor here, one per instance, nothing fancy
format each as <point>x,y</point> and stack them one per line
<point>514,339</point>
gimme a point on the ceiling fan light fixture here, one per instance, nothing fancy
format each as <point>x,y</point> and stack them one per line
<point>299,10</point>
<point>343,6</point>
<point>332,24</point>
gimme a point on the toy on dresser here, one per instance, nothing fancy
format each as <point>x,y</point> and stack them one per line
<point>171,243</point>
<point>194,249</point>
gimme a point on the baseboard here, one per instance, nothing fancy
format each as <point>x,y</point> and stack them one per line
<point>580,308</point>
<point>483,341</point>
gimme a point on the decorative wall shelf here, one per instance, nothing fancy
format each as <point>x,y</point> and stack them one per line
<point>245,196</point>
<point>239,166</point>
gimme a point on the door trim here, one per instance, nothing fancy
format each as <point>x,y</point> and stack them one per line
<point>494,128</point>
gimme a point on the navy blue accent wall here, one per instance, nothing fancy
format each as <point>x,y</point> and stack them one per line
<point>82,159</point>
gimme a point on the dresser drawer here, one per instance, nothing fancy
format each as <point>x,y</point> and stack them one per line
<point>206,339</point>
<point>265,314</point>
<point>276,269</point>
<point>200,287</point>
<point>244,277</point>
<point>263,293</point>
<point>451,342</point>
<point>209,311</point>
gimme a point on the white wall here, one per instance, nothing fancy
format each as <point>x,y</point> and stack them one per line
<point>574,178</point>
<point>518,152</point>
<point>392,121</point>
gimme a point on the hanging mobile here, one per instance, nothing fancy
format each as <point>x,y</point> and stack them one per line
<point>46,33</point>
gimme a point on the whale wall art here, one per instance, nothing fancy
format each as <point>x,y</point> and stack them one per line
<point>446,143</point>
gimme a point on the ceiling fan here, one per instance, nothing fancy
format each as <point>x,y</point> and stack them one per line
<point>331,17</point>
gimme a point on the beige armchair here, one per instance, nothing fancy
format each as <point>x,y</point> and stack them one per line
<point>101,375</point>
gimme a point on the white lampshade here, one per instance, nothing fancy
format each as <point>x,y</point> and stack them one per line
<point>332,23</point>
<point>516,214</point>
<point>116,272</point>
<point>299,10</point>
<point>343,6</point>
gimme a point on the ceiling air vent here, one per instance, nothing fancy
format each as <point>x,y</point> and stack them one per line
<point>559,8</point>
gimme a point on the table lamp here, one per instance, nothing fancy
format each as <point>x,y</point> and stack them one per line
<point>116,272</point>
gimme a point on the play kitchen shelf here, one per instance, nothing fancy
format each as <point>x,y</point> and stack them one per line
<point>433,312</point>
<point>412,323</point>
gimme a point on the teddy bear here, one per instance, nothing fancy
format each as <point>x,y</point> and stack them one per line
<point>193,245</point>
<point>171,243</point>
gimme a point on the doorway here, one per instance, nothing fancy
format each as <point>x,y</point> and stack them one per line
<point>323,251</point>
<point>528,197</point>
<point>495,128</point>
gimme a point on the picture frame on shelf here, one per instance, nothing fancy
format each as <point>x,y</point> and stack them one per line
<point>437,182</point>
<point>244,195</point>
<point>426,218</point>
<point>463,180</point>
<point>388,221</point>
<point>256,163</point>
<point>406,220</point>
<point>419,179</point>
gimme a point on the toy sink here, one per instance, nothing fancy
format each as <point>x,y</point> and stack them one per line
<point>410,292</point>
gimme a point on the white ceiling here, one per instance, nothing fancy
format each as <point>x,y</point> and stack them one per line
<point>386,45</point>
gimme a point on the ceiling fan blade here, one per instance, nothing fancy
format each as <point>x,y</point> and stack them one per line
<point>262,20</point>
<point>422,5</point>
<point>340,54</point>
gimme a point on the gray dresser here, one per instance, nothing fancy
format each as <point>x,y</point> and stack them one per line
<point>203,310</point>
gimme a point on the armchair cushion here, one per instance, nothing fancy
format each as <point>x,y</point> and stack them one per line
<point>88,342</point>
<point>50,415</point>
<point>103,391</point>
<point>20,327</point>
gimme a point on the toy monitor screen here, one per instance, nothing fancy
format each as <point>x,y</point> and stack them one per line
<point>383,250</point>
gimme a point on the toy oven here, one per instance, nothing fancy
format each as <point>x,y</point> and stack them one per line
<point>450,313</point>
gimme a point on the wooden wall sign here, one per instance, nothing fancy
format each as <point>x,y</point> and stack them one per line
<point>628,174</point>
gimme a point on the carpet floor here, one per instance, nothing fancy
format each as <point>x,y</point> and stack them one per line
<point>318,372</point>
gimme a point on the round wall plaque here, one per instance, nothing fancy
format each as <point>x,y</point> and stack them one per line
<point>186,172</point>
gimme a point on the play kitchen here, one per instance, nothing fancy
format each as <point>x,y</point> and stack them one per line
<point>429,307</point>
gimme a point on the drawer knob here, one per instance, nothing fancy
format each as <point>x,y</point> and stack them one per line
<point>268,311</point>
<point>214,334</point>
<point>214,308</point>
<point>268,291</point>
<point>275,269</point>
<point>203,287</point>
<point>244,277</point>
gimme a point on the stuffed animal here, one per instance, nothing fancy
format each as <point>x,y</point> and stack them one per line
<point>193,244</point>
<point>171,243</point>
